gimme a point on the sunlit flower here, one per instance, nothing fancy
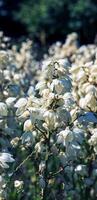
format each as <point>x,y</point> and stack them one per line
<point>4,159</point>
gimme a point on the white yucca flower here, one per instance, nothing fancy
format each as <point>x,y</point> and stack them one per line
<point>18,184</point>
<point>21,103</point>
<point>10,101</point>
<point>66,136</point>
<point>57,86</point>
<point>28,125</point>
<point>4,159</point>
<point>3,109</point>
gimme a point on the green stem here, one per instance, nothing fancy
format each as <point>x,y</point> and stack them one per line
<point>45,193</point>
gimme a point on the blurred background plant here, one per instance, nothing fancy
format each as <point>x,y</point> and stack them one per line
<point>49,21</point>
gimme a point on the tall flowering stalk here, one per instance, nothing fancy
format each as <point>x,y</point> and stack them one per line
<point>49,128</point>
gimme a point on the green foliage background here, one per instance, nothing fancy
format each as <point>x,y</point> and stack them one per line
<point>53,19</point>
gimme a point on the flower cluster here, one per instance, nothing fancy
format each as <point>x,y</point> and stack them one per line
<point>84,85</point>
<point>17,69</point>
<point>48,122</point>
